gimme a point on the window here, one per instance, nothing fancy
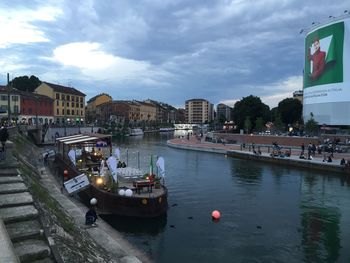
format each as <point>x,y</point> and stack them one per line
<point>62,103</point>
<point>15,109</point>
<point>62,111</point>
<point>67,104</point>
<point>68,112</point>
<point>57,111</point>
<point>14,98</point>
<point>68,97</point>
<point>3,97</point>
<point>72,104</point>
<point>77,99</point>
<point>81,99</point>
<point>62,97</point>
<point>72,112</point>
<point>57,103</point>
<point>81,105</point>
<point>81,114</point>
<point>72,98</point>
<point>57,96</point>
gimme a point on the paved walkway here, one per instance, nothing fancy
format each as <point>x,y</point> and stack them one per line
<point>236,150</point>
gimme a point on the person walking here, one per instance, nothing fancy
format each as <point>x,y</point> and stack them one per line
<point>3,137</point>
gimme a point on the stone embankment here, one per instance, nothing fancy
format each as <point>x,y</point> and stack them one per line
<point>238,151</point>
<point>39,223</point>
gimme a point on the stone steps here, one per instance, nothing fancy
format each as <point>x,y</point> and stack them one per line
<point>13,188</point>
<point>16,199</point>
<point>8,171</point>
<point>19,213</point>
<point>20,231</point>
<point>31,250</point>
<point>10,179</point>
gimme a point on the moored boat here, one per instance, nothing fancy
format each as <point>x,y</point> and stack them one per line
<point>119,190</point>
<point>136,132</point>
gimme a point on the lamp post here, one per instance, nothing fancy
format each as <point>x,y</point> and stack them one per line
<point>8,98</point>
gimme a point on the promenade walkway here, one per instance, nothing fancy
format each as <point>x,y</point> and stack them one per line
<point>237,151</point>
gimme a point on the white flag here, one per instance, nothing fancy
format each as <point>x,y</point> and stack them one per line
<point>161,166</point>
<point>117,153</point>
<point>71,155</point>
<point>112,165</point>
<point>102,168</point>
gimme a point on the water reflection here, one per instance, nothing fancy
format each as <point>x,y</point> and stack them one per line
<point>246,171</point>
<point>320,234</point>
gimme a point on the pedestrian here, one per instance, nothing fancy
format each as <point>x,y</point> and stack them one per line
<point>3,137</point>
<point>91,217</point>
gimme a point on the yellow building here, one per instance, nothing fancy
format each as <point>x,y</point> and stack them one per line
<point>93,113</point>
<point>148,111</point>
<point>69,103</point>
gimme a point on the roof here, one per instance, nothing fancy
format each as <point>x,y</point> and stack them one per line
<point>64,89</point>
<point>82,138</point>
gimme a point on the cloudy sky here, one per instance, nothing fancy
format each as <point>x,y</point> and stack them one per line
<point>166,50</point>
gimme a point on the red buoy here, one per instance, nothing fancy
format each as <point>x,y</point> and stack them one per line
<point>215,214</point>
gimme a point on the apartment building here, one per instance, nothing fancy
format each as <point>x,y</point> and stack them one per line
<point>92,111</point>
<point>69,103</point>
<point>198,111</point>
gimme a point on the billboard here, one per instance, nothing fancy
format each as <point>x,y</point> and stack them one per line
<point>327,73</point>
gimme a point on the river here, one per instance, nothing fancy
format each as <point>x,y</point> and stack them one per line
<point>269,213</point>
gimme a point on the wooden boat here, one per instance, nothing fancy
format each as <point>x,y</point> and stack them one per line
<point>133,193</point>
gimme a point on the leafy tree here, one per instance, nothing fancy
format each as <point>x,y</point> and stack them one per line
<point>290,110</point>
<point>25,83</point>
<point>247,124</point>
<point>259,124</point>
<point>278,122</point>
<point>251,107</point>
<point>311,126</point>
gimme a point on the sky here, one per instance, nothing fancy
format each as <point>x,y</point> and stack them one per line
<point>165,50</point>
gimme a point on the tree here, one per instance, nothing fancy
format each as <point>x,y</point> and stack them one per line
<point>290,110</point>
<point>259,124</point>
<point>25,83</point>
<point>247,124</point>
<point>251,107</point>
<point>311,126</point>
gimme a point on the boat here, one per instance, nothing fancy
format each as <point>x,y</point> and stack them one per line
<point>166,129</point>
<point>136,132</point>
<point>119,189</point>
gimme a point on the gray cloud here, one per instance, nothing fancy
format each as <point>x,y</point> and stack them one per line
<point>168,50</point>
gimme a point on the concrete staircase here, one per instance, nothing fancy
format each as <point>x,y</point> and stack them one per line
<point>20,218</point>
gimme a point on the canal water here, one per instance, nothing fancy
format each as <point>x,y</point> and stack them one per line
<point>269,213</point>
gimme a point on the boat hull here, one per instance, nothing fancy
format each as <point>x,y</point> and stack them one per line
<point>134,206</point>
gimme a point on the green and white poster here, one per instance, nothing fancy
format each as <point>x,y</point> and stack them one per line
<point>324,56</point>
<point>327,64</point>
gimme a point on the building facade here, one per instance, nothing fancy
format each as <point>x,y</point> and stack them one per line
<point>35,107</point>
<point>9,97</point>
<point>69,103</point>
<point>92,111</point>
<point>198,111</point>
<point>223,112</point>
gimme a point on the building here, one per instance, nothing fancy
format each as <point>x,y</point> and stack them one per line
<point>92,111</point>
<point>165,113</point>
<point>120,111</point>
<point>326,93</point>
<point>35,107</point>
<point>199,111</point>
<point>298,95</point>
<point>9,96</point>
<point>69,103</point>
<point>223,112</point>
<point>148,111</point>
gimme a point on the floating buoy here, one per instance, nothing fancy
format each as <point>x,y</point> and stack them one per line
<point>215,215</point>
<point>93,201</point>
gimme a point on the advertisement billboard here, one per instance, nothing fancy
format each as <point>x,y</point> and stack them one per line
<point>327,73</point>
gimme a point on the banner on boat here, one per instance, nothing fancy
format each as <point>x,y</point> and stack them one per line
<point>76,184</point>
